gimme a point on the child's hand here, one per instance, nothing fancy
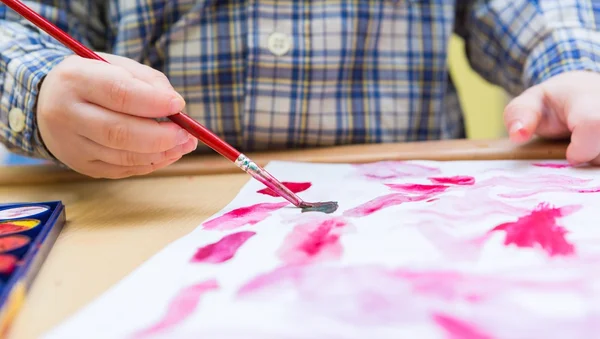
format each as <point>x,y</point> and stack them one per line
<point>565,105</point>
<point>96,117</point>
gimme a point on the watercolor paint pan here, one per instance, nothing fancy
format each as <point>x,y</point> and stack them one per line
<point>28,232</point>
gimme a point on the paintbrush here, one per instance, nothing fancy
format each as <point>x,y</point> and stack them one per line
<point>181,119</point>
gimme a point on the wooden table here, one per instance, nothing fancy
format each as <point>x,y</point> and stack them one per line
<point>114,226</point>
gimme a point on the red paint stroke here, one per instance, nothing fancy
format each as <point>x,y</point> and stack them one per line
<point>222,250</point>
<point>383,202</point>
<point>239,217</point>
<point>313,241</point>
<point>458,329</point>
<point>460,180</point>
<point>295,187</point>
<point>418,188</point>
<point>387,170</point>
<point>180,308</point>
<point>540,228</point>
<point>551,165</point>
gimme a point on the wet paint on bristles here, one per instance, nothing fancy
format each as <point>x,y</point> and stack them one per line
<point>323,207</point>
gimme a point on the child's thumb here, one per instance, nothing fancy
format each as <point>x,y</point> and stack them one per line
<point>523,114</point>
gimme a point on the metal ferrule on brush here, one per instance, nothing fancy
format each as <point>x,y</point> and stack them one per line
<point>267,179</point>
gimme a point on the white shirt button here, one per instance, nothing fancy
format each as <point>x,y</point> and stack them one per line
<point>16,120</point>
<point>279,43</point>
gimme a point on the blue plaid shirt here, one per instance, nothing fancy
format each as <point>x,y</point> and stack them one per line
<point>272,74</point>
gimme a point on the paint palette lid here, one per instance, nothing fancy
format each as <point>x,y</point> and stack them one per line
<point>25,211</point>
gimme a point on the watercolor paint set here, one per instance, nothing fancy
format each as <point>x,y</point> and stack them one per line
<point>27,234</point>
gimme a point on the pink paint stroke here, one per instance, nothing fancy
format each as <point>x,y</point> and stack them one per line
<point>360,295</point>
<point>295,187</point>
<point>371,295</point>
<point>460,180</point>
<point>387,170</point>
<point>549,189</point>
<point>540,228</point>
<point>418,188</point>
<point>180,308</point>
<point>383,202</point>
<point>552,164</point>
<point>222,250</point>
<point>458,329</point>
<point>239,217</point>
<point>459,211</point>
<point>530,185</point>
<point>313,241</point>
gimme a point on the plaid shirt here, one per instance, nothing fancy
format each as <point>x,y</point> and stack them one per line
<point>290,74</point>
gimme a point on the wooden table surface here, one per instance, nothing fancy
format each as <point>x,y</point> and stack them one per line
<point>114,226</point>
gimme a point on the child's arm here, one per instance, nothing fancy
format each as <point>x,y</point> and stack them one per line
<point>547,54</point>
<point>27,55</point>
<point>521,43</point>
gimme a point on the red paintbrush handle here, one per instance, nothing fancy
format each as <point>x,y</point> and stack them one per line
<point>181,119</point>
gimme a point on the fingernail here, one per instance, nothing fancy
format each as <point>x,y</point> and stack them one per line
<point>517,129</point>
<point>177,105</point>
<point>182,137</point>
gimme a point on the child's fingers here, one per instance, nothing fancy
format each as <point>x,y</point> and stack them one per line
<point>127,133</point>
<point>125,158</point>
<point>99,169</point>
<point>523,114</point>
<point>142,72</point>
<point>117,89</point>
<point>585,145</point>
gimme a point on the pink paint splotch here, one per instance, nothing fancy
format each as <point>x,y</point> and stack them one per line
<point>242,216</point>
<point>459,180</point>
<point>388,170</point>
<point>540,229</point>
<point>458,329</point>
<point>295,187</point>
<point>313,241</point>
<point>222,250</point>
<point>180,308</point>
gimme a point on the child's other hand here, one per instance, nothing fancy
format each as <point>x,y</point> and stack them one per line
<point>565,105</point>
<point>97,118</point>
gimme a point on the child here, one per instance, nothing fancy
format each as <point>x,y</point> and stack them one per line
<point>287,74</point>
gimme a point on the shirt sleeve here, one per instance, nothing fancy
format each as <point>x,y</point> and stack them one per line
<point>27,54</point>
<point>521,43</point>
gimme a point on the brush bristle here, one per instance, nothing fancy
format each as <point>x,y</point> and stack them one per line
<point>323,207</point>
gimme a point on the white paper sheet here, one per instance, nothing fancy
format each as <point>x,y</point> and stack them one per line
<point>502,249</point>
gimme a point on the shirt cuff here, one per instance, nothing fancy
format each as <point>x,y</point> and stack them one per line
<point>20,88</point>
<point>564,50</point>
